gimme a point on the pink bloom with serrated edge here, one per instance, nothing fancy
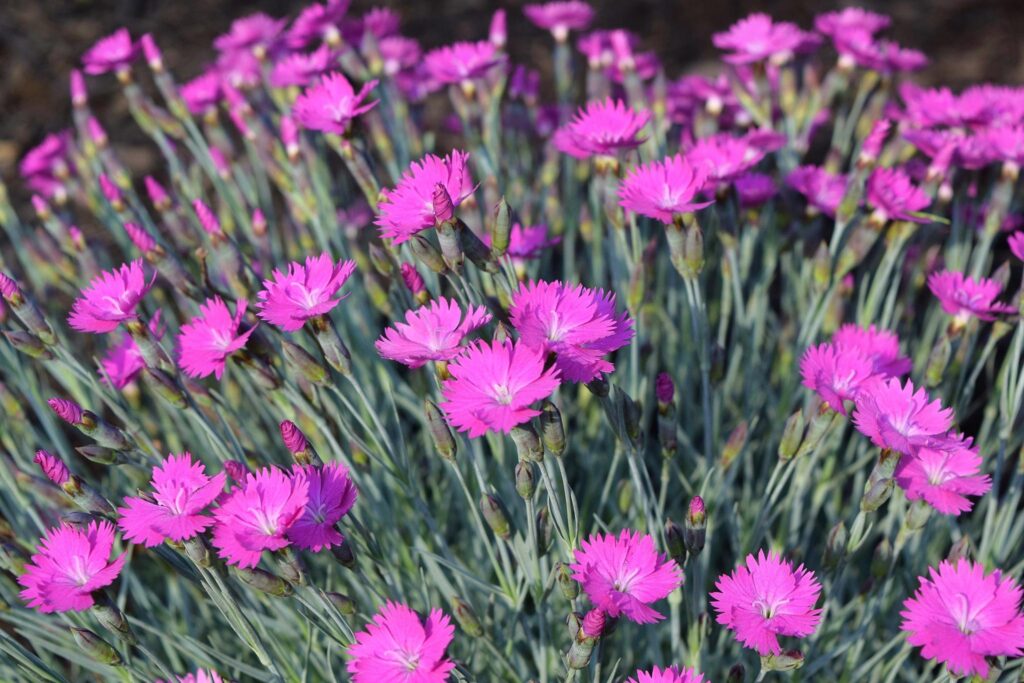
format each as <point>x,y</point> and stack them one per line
<point>122,363</point>
<point>434,332</point>
<point>835,373</point>
<point>398,646</point>
<point>894,197</point>
<point>256,515</point>
<point>206,342</point>
<point>560,17</point>
<point>664,189</point>
<point>331,104</point>
<point>754,189</point>
<point>300,68</point>
<point>623,576</point>
<point>964,297</point>
<point>723,157</point>
<point>756,38</point>
<point>882,347</point>
<point>200,676</point>
<point>111,53</point>
<point>943,475</point>
<point>110,299</point>
<point>526,242</point>
<point>602,128</point>
<point>493,385</point>
<point>202,93</point>
<point>70,564</point>
<point>850,19</point>
<point>764,599</point>
<point>331,494</point>
<point>317,22</point>
<point>409,208</point>
<point>578,324</point>
<point>670,674</point>
<point>461,62</point>
<point>897,416</point>
<point>959,616</point>
<point>250,31</point>
<point>307,290</point>
<point>824,191</point>
<point>182,491</point>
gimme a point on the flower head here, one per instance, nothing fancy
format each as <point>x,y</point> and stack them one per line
<point>299,68</point>
<point>256,515</point>
<point>764,599</point>
<point>670,674</point>
<point>200,676</point>
<point>624,575</point>
<point>560,17</point>
<point>203,92</point>
<point>964,297</point>
<point>182,491</point>
<point>943,475</point>
<point>959,616</point>
<point>431,333</point>
<point>53,468</point>
<point>205,343</point>
<point>898,416</point>
<point>578,324</point>
<point>332,103</point>
<point>757,38</point>
<point>602,128</point>
<point>754,189</point>
<point>882,347</point>
<point>399,646</point>
<point>461,62</point>
<point>836,373</point>
<point>317,22</point>
<point>664,189</point>
<point>110,299</point>
<point>112,53</point>
<point>69,411</point>
<point>894,196</point>
<point>70,564</point>
<point>723,157</point>
<point>332,493</point>
<point>409,208</point>
<point>289,299</point>
<point>123,362</point>
<point>492,386</point>
<point>526,242</point>
<point>834,24</point>
<point>248,32</point>
<point>823,190</point>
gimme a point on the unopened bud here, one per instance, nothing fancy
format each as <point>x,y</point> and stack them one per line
<point>440,432</point>
<point>197,551</point>
<point>792,436</point>
<point>304,363</point>
<point>789,660</point>
<point>494,514</point>
<point>264,581</point>
<point>344,604</point>
<point>444,209</point>
<point>695,526</point>
<point>100,455</point>
<point>96,647</point>
<point>427,254</point>
<point>292,568</point>
<point>631,419</point>
<point>552,430</point>
<point>876,494</point>
<point>466,617</point>
<point>164,386</point>
<point>335,351</point>
<point>675,542</point>
<point>734,444</point>
<point>917,515</point>
<point>450,240</point>
<point>566,584</point>
<point>113,619</point>
<point>737,674</point>
<point>693,250</point>
<point>961,550</point>
<point>502,229</point>
<point>28,344</point>
<point>821,269</point>
<point>294,440</point>
<point>664,389</point>
<point>526,480</point>
<point>582,646</point>
<point>344,553</point>
<point>527,442</point>
<point>599,386</point>
<point>835,546</point>
<point>624,499</point>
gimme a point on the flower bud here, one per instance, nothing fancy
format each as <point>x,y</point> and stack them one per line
<point>53,468</point>
<point>792,436</point>
<point>96,647</point>
<point>527,442</point>
<point>544,530</point>
<point>440,432</point>
<point>734,444</point>
<point>344,604</point>
<point>917,515</point>
<point>466,617</point>
<point>551,428</point>
<point>111,193</point>
<point>502,229</point>
<point>664,390</point>
<point>478,252</point>
<point>821,267</point>
<point>693,250</point>
<point>835,546</point>
<point>820,425</point>
<point>881,559</point>
<point>79,94</point>
<point>296,443</point>
<point>450,240</point>
<point>164,386</point>
<point>566,584</point>
<point>344,553</point>
<point>263,581</point>
<point>494,514</point>
<point>573,621</point>
<point>737,674</point>
<point>28,344</point>
<point>335,351</point>
<point>197,551</point>
<point>292,568</point>
<point>100,455</point>
<point>788,660</point>
<point>113,619</point>
<point>414,282</point>
<point>427,254</point>
<point>876,494</point>
<point>157,194</point>
<point>938,360</point>
<point>498,33</point>
<point>624,497</point>
<point>444,210</point>
<point>599,386</point>
<point>695,526</point>
<point>526,480</point>
<point>631,415</point>
<point>582,646</point>
<point>675,542</point>
<point>302,362</point>
<point>961,550</point>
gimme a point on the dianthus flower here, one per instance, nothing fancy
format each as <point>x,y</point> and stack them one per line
<point>959,616</point>
<point>860,48</point>
<point>182,491</point>
<point>756,38</point>
<point>943,475</point>
<point>723,157</point>
<point>399,646</point>
<point>663,190</point>
<point>205,343</point>
<point>202,93</point>
<point>110,299</point>
<point>200,676</point>
<point>398,54</point>
<point>898,416</point>
<point>823,190</point>
<point>331,104</point>
<point>894,197</point>
<point>331,494</point>
<point>434,332</point>
<point>964,297</point>
<point>560,17</point>
<point>461,62</point>
<point>256,515</point>
<point>112,53</point>
<point>602,128</point>
<point>123,363</point>
<point>764,599</point>
<point>289,299</point>
<point>492,386</point>
<point>300,68</point>
<point>526,242</point>
<point>836,373</point>
<point>882,347</point>
<point>669,674</point>
<point>623,576</point>
<point>1016,243</point>
<point>52,467</point>
<point>317,22</point>
<point>754,189</point>
<point>70,564</point>
<point>379,22</point>
<point>47,157</point>
<point>578,324</point>
<point>409,208</point>
<point>249,32</point>
<point>837,23</point>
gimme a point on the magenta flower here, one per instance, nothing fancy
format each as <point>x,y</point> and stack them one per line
<point>964,297</point>
<point>492,386</point>
<point>289,299</point>
<point>663,190</point>
<point>757,38</point>
<point>332,493</point>
<point>52,467</point>
<point>69,411</point>
<point>959,616</point>
<point>526,242</point>
<point>112,53</point>
<point>123,363</point>
<point>331,104</point>
<point>754,189</point>
<point>398,54</point>
<point>461,62</point>
<point>200,676</point>
<point>202,93</point>
<point>722,157</point>
<point>836,373</point>
<point>882,348</point>
<point>623,576</point>
<point>70,564</point>
<point>578,324</point>
<point>943,475</point>
<point>602,128</point>
<point>894,197</point>
<point>300,68</point>
<point>47,159</point>
<point>399,646</point>
<point>434,332</point>
<point>317,22</point>
<point>110,299</point>
<point>256,30</point>
<point>560,17</point>
<point>1016,243</point>
<point>256,515</point>
<point>670,674</point>
<point>898,416</point>
<point>838,23</point>
<point>205,343</point>
<point>765,599</point>
<point>823,190</point>
<point>409,208</point>
<point>860,48</point>
<point>182,492</point>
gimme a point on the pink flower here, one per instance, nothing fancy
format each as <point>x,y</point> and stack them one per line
<point>434,332</point>
<point>200,676</point>
<point>331,495</point>
<point>560,17</point>
<point>317,22</point>
<point>69,411</point>
<point>412,279</point>
<point>246,33</point>
<point>379,22</point>
<point>526,242</point>
<point>624,575</point>
<point>182,491</point>
<point>399,54</point>
<point>757,38</point>
<point>399,646</point>
<point>835,373</point>
<point>943,475</point>
<point>493,385</point>
<point>70,565</point>
<point>409,208</point>
<point>256,515</point>
<point>723,157</point>
<point>123,363</point>
<point>578,324</point>
<point>53,468</point>
<point>112,53</point>
<point>670,674</point>
<point>882,347</point>
<point>205,343</point>
<point>663,190</point>
<point>1016,242</point>
<point>959,616</point>
<point>289,299</point>
<point>602,128</point>
<point>293,438</point>
<point>48,158</point>
<point>461,62</point>
<point>861,49</point>
<point>894,196</point>
<point>754,189</point>
<point>299,68</point>
<point>110,299</point>
<point>898,416</point>
<point>850,19</point>
<point>331,104</point>
<point>963,297</point>
<point>823,190</point>
<point>765,599</point>
<point>202,93</point>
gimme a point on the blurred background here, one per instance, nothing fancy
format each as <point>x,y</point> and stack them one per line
<point>41,40</point>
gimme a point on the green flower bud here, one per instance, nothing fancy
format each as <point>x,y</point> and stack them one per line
<point>566,584</point>
<point>494,514</point>
<point>526,480</point>
<point>303,363</point>
<point>344,604</point>
<point>502,228</point>
<point>263,581</point>
<point>96,647</point>
<point>466,617</point>
<point>551,428</point>
<point>528,445</point>
<point>835,546</point>
<point>440,432</point>
<point>792,435</point>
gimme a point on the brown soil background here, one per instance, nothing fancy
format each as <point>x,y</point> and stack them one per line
<point>41,40</point>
